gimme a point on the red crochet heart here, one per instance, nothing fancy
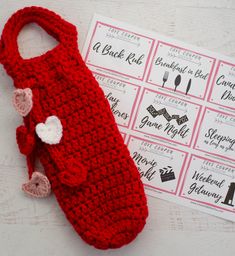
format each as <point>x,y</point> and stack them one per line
<point>25,140</point>
<point>74,175</point>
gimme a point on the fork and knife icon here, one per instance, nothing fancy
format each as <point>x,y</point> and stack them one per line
<point>177,81</point>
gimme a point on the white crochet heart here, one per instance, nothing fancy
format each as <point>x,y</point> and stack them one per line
<point>51,131</point>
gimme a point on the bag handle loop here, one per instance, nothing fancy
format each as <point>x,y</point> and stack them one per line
<point>63,31</point>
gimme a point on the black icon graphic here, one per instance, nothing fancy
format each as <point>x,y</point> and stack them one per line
<point>167,174</point>
<point>165,78</point>
<point>188,86</point>
<point>153,112</point>
<point>230,194</point>
<point>177,81</point>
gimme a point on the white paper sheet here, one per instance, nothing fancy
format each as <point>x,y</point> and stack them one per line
<point>174,104</point>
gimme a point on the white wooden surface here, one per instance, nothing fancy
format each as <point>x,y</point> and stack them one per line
<point>38,227</point>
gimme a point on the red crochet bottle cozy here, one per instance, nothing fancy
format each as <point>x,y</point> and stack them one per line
<point>69,126</point>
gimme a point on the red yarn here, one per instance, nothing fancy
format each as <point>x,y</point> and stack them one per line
<point>25,140</point>
<point>74,174</point>
<point>91,171</point>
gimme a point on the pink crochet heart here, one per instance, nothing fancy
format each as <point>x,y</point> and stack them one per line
<point>38,186</point>
<point>22,101</point>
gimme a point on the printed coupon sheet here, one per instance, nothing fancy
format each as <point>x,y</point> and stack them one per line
<point>174,105</point>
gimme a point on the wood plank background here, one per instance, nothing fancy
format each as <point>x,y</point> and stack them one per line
<point>38,227</point>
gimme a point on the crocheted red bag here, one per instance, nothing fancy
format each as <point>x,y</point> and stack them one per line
<point>69,126</point>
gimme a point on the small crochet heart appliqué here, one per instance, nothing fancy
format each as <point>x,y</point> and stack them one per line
<point>25,140</point>
<point>38,186</point>
<point>51,131</point>
<point>22,101</point>
<point>74,174</point>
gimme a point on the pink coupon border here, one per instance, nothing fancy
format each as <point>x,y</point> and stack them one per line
<point>168,44</point>
<point>135,100</point>
<point>199,128</point>
<point>172,141</point>
<point>185,175</point>
<point>111,26</point>
<point>182,168</point>
<point>213,84</point>
<point>123,134</point>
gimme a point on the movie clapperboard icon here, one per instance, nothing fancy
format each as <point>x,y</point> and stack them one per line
<point>167,174</point>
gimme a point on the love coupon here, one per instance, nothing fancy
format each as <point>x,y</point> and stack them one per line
<point>174,105</point>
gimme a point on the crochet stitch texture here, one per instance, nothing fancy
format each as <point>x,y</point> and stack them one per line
<point>91,172</point>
